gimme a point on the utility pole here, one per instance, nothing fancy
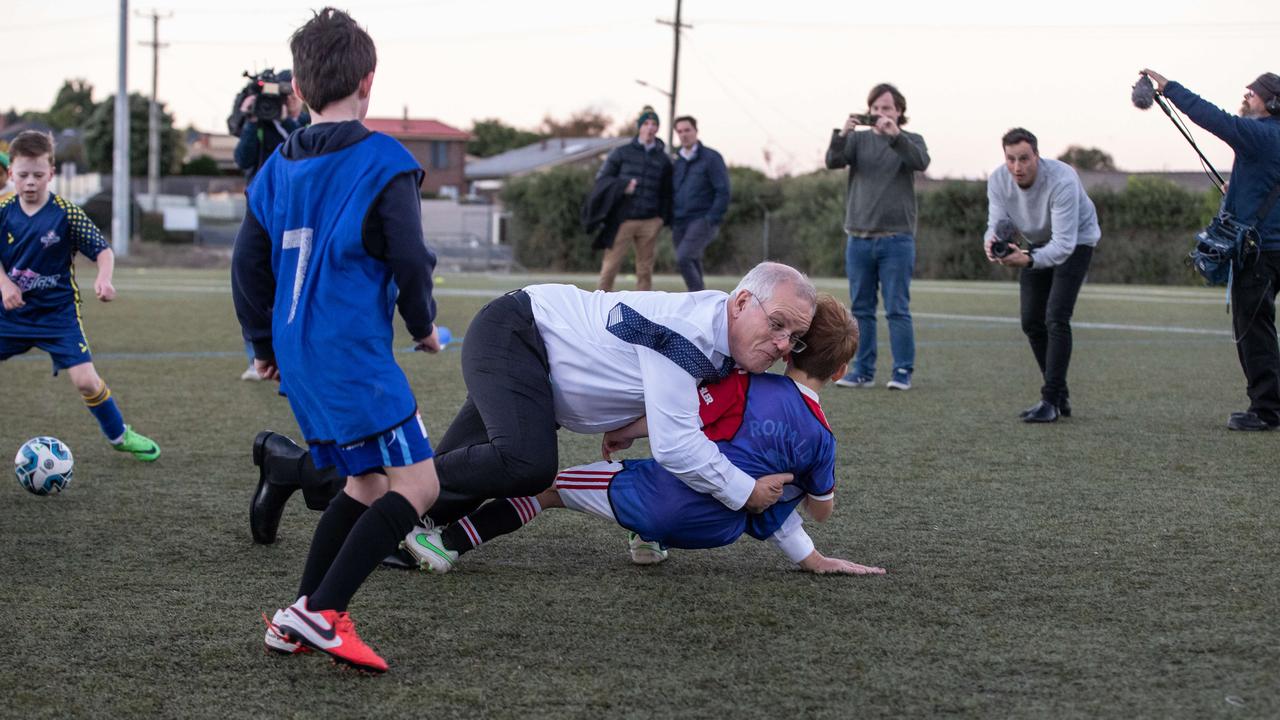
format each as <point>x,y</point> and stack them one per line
<point>675,72</point>
<point>120,147</point>
<point>153,121</point>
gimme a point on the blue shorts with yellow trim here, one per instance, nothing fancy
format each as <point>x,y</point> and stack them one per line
<point>398,447</point>
<point>66,350</point>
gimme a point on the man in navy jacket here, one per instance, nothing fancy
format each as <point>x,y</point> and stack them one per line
<point>1254,135</point>
<point>644,165</point>
<point>701,185</point>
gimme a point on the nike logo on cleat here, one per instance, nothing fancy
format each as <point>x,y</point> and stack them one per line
<point>326,635</point>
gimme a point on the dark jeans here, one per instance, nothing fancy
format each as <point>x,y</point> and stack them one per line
<point>503,441</point>
<point>1253,318</point>
<point>691,240</point>
<point>1048,301</point>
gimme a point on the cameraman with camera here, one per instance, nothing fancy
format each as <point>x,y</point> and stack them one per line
<point>1043,200</point>
<point>880,228</point>
<point>1254,136</point>
<point>267,111</point>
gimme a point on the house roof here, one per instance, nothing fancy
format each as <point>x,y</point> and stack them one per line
<point>540,156</point>
<point>416,129</point>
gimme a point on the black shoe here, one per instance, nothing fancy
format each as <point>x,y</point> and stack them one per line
<point>1249,422</point>
<point>277,458</point>
<point>1041,412</point>
<point>1064,408</point>
<point>400,559</point>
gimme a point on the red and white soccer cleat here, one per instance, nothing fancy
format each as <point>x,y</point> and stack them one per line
<point>275,640</point>
<point>330,632</point>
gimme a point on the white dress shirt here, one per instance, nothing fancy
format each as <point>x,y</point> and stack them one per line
<point>602,383</point>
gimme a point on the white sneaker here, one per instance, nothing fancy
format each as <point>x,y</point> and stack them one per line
<point>644,552</point>
<point>275,640</point>
<point>251,375</point>
<point>427,547</point>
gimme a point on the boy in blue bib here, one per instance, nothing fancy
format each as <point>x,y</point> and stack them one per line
<point>330,247</point>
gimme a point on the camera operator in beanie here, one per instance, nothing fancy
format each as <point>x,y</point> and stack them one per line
<point>647,206</point>
<point>259,140</point>
<point>1045,200</point>
<point>1254,136</point>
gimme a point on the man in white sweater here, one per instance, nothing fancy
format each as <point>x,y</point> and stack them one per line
<point>1046,202</point>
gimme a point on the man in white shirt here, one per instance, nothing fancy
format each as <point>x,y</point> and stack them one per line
<point>555,355</point>
<point>1045,201</point>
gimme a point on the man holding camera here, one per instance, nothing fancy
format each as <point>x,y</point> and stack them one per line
<point>259,136</point>
<point>1045,201</point>
<point>1254,136</point>
<point>880,227</point>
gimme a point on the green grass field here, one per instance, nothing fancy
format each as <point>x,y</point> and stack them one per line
<point>1121,563</point>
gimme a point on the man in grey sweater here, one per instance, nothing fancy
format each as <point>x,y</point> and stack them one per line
<point>880,224</point>
<point>1045,201</point>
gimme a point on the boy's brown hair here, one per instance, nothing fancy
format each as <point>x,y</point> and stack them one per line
<point>832,340</point>
<point>32,144</point>
<point>331,55</point>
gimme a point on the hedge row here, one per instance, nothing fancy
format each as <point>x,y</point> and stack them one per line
<point>1146,228</point>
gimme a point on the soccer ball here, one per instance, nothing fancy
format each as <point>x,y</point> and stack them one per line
<point>43,465</point>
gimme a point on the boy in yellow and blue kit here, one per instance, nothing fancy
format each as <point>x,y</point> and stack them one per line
<point>40,234</point>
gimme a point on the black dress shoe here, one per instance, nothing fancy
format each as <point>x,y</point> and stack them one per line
<point>277,458</point>
<point>1249,422</point>
<point>1042,412</point>
<point>400,559</point>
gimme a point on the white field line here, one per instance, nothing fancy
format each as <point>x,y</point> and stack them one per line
<point>1079,325</point>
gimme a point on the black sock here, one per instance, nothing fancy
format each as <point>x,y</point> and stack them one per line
<point>496,518</point>
<point>377,533</point>
<point>331,532</point>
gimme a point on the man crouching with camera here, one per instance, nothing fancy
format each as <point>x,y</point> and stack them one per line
<point>1254,136</point>
<point>1043,201</point>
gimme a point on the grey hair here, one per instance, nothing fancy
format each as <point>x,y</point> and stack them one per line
<point>765,278</point>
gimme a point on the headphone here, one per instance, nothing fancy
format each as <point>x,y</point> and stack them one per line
<point>1273,105</point>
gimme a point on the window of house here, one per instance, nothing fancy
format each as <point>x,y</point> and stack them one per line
<point>439,155</point>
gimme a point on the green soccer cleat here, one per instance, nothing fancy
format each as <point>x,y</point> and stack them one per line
<point>139,445</point>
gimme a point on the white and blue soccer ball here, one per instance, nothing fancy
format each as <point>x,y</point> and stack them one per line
<point>43,465</point>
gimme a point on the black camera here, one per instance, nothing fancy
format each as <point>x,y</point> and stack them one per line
<point>269,90</point>
<point>1006,239</point>
<point>864,118</point>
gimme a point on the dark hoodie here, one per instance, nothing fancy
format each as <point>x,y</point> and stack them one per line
<point>392,233</point>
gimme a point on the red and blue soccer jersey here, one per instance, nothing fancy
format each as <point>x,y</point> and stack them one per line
<point>764,424</point>
<point>38,254</point>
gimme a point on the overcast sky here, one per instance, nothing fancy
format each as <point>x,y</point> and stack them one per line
<point>759,76</point>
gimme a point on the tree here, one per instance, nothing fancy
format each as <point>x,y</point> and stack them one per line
<point>588,122</point>
<point>1083,158</point>
<point>72,106</point>
<point>491,136</point>
<point>100,138</point>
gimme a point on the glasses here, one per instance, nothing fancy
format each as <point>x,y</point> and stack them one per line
<point>779,331</point>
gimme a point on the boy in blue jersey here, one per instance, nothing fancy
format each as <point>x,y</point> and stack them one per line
<point>330,247</point>
<point>40,234</point>
<point>763,424</point>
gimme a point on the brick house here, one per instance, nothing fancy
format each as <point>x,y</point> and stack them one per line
<point>441,150</point>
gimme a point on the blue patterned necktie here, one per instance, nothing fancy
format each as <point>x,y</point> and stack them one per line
<point>630,326</point>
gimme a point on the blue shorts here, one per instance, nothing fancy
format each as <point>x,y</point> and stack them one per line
<point>398,447</point>
<point>66,350</point>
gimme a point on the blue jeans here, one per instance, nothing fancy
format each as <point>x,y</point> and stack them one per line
<point>883,263</point>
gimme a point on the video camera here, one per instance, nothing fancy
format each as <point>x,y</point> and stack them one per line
<point>1006,239</point>
<point>269,89</point>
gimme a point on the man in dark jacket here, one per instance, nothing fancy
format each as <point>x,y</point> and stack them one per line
<point>259,140</point>
<point>700,183</point>
<point>1254,135</point>
<point>644,164</point>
